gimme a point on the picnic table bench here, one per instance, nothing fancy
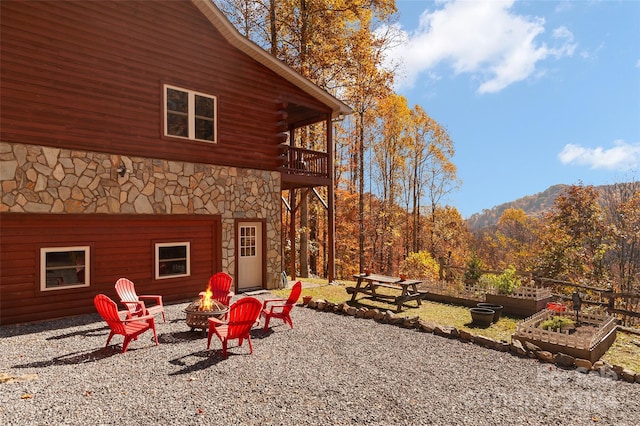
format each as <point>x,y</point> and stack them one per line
<point>367,284</point>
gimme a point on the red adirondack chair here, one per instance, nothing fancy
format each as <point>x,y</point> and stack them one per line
<point>136,307</point>
<point>130,328</point>
<point>220,287</point>
<point>281,308</point>
<point>242,316</point>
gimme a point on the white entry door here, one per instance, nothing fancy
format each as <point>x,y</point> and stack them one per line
<point>250,255</point>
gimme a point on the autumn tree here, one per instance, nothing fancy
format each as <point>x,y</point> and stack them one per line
<point>485,247</point>
<point>347,253</point>
<point>431,172</point>
<point>249,17</point>
<point>575,237</point>
<point>367,83</point>
<point>515,240</point>
<point>452,246</point>
<point>390,150</point>
<point>340,50</point>
<point>621,206</point>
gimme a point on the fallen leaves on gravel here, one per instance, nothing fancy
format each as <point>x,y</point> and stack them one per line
<point>9,378</point>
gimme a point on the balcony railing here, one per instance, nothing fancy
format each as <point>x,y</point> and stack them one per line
<point>305,162</point>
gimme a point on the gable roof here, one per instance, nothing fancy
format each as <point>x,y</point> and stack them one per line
<point>231,34</point>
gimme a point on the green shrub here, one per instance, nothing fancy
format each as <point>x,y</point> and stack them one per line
<point>556,322</point>
<point>505,283</point>
<point>474,269</point>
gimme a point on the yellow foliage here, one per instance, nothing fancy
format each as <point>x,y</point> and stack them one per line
<point>420,265</point>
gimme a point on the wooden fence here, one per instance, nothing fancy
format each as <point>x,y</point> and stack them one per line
<point>529,329</point>
<point>625,305</point>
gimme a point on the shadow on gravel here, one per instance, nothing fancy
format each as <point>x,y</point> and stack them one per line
<point>77,357</point>
<point>208,358</point>
<point>259,333</point>
<point>181,336</point>
<point>49,325</point>
<point>85,333</point>
<point>203,360</point>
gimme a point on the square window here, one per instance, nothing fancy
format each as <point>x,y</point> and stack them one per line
<point>172,260</point>
<point>64,267</point>
<point>189,114</point>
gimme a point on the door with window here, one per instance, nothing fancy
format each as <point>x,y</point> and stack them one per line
<point>250,255</point>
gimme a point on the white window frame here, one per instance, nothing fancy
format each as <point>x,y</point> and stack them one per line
<point>43,267</point>
<point>191,115</point>
<point>187,259</point>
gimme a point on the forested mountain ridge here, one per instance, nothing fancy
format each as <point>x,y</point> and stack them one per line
<point>533,205</point>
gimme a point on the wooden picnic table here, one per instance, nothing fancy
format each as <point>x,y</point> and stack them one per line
<point>367,284</point>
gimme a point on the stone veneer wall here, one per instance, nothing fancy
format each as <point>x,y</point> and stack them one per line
<point>37,179</point>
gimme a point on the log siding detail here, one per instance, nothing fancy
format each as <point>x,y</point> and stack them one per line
<point>96,82</point>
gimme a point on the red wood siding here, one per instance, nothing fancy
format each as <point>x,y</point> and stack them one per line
<point>88,75</point>
<point>121,246</point>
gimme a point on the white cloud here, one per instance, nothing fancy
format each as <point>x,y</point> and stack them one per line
<point>482,38</point>
<point>622,156</point>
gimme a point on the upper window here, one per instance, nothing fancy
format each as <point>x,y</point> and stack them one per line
<point>189,114</point>
<point>64,267</point>
<point>173,260</point>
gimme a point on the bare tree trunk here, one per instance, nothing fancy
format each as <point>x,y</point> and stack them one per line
<point>361,191</point>
<point>313,238</point>
<point>273,29</point>
<point>417,215</point>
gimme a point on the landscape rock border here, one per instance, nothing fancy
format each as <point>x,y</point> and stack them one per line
<point>516,347</point>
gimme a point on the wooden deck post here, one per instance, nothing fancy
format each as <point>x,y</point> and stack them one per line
<point>331,225</point>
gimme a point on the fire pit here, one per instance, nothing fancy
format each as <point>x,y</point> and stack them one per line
<point>198,314</point>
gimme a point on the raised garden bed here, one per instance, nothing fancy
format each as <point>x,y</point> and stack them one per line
<point>588,339</point>
<point>451,300</point>
<point>524,301</point>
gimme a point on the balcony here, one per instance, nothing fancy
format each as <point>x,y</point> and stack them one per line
<point>304,168</point>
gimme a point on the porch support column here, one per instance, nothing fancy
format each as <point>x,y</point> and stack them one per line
<point>293,206</point>
<point>331,225</point>
<point>292,232</point>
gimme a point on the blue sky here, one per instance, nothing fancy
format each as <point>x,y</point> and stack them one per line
<point>533,93</point>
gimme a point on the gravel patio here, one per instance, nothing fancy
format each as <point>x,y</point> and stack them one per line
<point>328,370</point>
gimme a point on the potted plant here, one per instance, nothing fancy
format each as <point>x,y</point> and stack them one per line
<point>497,309</point>
<point>482,317</point>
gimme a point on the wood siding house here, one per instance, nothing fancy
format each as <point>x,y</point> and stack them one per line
<point>147,140</point>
